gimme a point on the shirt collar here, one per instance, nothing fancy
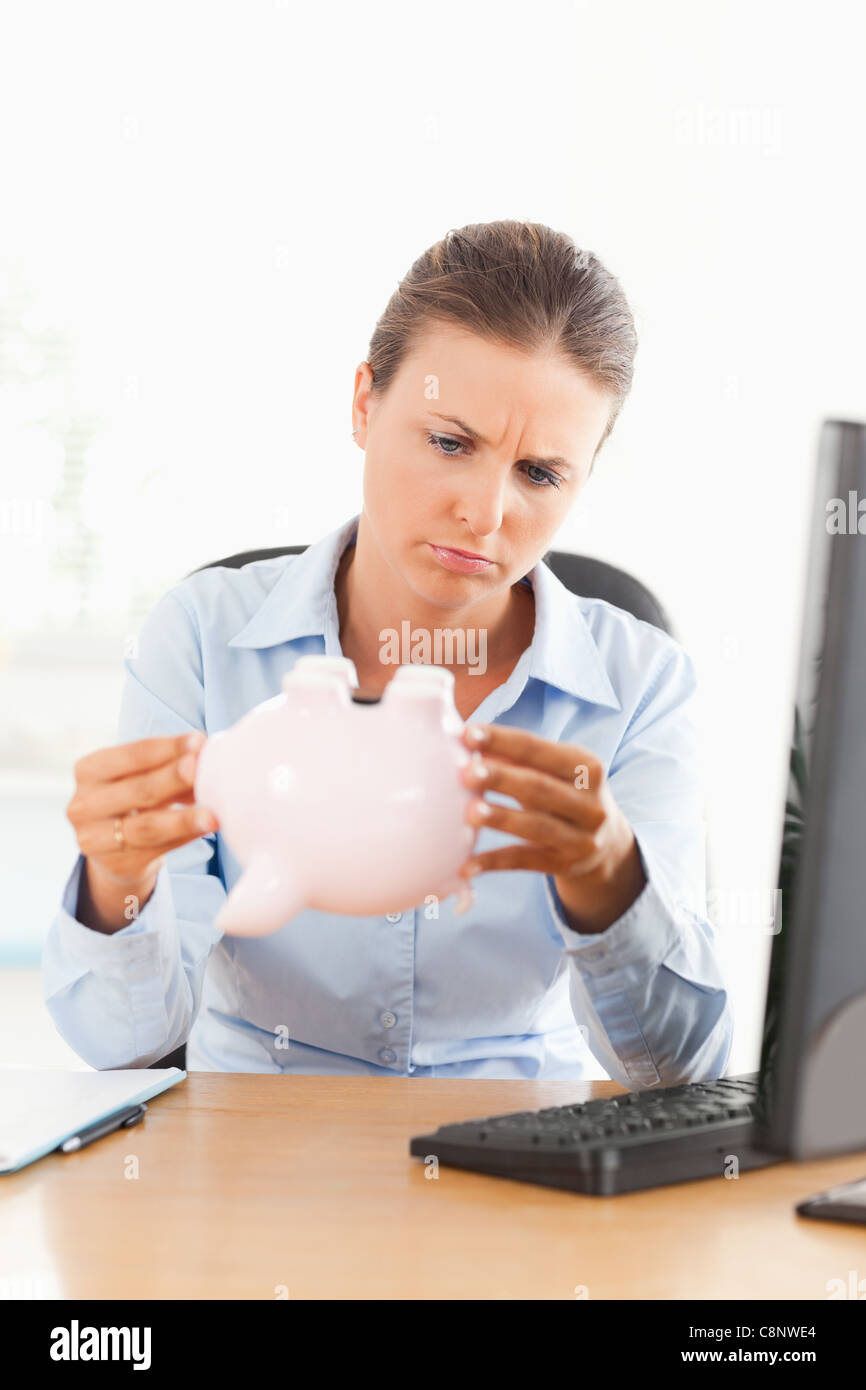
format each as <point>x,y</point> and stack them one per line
<point>563,652</point>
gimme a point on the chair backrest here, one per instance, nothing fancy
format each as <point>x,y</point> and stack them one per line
<point>580,573</point>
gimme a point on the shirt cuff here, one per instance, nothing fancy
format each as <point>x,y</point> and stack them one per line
<point>644,934</point>
<point>128,965</point>
<point>134,950</point>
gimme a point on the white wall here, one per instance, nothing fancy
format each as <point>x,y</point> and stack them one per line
<point>213,202</point>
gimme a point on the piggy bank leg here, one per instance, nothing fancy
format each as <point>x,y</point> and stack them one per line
<point>265,897</point>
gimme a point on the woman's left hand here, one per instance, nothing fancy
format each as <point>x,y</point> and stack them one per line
<point>573,827</point>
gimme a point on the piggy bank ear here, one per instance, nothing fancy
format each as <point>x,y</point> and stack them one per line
<point>318,678</point>
<point>428,689</point>
<point>321,665</point>
<point>416,678</point>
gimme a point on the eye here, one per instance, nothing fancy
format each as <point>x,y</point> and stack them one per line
<point>550,479</point>
<point>546,479</point>
<point>434,439</point>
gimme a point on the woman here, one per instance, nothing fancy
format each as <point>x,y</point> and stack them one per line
<point>492,380</point>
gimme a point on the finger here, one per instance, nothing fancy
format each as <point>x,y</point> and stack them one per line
<point>153,830</point>
<point>546,832</point>
<point>516,857</point>
<point>536,791</point>
<point>521,746</point>
<point>150,866</point>
<point>147,790</point>
<point>130,758</point>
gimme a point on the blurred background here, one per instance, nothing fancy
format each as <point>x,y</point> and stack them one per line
<point>205,208</point>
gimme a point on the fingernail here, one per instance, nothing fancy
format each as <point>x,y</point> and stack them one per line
<point>476,734</point>
<point>481,808</point>
<point>195,741</point>
<point>471,869</point>
<point>465,899</point>
<point>479,766</point>
<point>205,820</point>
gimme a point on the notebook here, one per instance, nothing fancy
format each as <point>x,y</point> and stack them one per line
<point>42,1107</point>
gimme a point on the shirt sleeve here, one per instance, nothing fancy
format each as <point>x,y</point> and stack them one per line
<point>647,993</point>
<point>129,998</point>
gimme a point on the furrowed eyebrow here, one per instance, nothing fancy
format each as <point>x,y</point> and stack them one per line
<point>556,461</point>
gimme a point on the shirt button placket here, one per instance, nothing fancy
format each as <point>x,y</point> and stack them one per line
<point>387,1019</point>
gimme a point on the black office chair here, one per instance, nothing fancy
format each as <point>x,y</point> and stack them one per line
<point>579,573</point>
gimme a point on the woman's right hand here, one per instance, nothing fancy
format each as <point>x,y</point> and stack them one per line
<point>139,782</point>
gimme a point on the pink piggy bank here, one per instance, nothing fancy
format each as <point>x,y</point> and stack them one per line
<point>339,804</point>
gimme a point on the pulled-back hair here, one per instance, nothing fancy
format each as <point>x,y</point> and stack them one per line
<point>519,284</point>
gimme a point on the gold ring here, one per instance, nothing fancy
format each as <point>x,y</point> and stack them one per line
<point>118,831</point>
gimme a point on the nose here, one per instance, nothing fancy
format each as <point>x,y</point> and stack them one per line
<point>482,503</point>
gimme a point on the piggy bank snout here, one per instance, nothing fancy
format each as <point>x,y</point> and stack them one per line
<point>335,805</point>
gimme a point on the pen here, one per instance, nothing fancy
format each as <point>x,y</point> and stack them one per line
<point>124,1119</point>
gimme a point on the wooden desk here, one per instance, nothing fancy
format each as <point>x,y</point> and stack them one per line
<point>251,1182</point>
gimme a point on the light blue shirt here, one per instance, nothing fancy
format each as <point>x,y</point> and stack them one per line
<point>506,989</point>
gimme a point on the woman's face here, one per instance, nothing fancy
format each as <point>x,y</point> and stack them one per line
<point>503,494</point>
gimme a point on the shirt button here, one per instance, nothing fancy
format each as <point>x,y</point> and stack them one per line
<point>387,1020</point>
<point>387,1054</point>
<point>393,916</point>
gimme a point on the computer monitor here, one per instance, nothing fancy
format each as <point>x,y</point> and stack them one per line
<point>812,1080</point>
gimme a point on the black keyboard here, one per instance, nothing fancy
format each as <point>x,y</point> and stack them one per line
<point>637,1140</point>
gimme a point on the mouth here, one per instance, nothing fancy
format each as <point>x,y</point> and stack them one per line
<point>470,554</point>
<point>463,561</point>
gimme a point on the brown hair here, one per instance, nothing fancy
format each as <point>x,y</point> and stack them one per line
<point>520,284</point>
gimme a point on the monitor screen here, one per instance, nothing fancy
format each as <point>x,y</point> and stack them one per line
<point>821,529</point>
